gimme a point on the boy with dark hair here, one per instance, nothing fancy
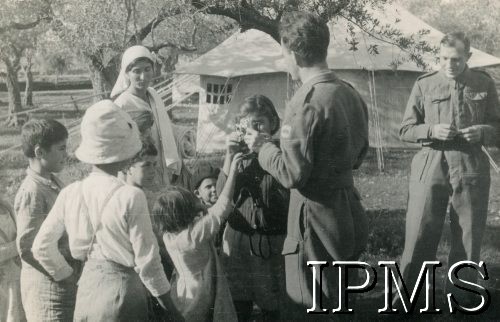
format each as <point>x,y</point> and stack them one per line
<point>324,137</point>
<point>44,144</point>
<point>141,172</point>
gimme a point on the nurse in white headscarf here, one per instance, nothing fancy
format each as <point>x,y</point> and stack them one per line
<point>132,93</point>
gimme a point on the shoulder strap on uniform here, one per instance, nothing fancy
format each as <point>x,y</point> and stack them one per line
<point>347,83</point>
<point>483,72</point>
<point>427,75</point>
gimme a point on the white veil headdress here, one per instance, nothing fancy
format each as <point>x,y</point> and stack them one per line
<point>129,56</point>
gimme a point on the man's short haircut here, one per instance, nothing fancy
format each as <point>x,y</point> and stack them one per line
<point>305,34</point>
<point>41,132</point>
<point>450,40</point>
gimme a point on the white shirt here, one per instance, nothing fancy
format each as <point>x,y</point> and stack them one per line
<point>124,232</point>
<point>194,281</point>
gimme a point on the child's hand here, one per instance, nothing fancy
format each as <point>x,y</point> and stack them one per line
<point>238,157</point>
<point>232,143</point>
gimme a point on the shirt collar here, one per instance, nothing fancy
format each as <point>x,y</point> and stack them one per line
<point>461,79</point>
<point>325,76</point>
<point>53,183</point>
<point>107,175</point>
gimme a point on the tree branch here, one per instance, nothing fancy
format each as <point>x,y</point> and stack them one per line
<point>247,17</point>
<point>46,15</point>
<point>156,48</point>
<point>20,26</point>
<point>146,30</point>
<point>413,56</point>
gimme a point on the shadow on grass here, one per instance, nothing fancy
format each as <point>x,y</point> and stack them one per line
<point>386,232</point>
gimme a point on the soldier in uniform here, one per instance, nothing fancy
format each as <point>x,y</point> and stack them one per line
<point>323,137</point>
<point>452,112</point>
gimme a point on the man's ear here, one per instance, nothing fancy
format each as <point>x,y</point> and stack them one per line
<point>197,193</point>
<point>38,150</point>
<point>297,59</point>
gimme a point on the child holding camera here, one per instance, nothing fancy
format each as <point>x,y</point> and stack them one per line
<point>254,237</point>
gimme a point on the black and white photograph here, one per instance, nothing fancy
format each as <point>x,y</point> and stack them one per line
<point>249,160</point>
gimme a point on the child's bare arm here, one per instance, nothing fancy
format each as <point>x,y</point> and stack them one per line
<point>232,147</point>
<point>228,189</point>
<point>209,225</point>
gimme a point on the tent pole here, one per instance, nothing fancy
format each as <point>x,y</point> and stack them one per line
<point>376,121</point>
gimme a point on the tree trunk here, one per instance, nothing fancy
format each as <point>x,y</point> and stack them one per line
<point>100,85</point>
<point>103,77</point>
<point>28,89</point>
<point>14,94</point>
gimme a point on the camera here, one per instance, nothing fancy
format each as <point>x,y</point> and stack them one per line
<point>241,131</point>
<point>241,127</point>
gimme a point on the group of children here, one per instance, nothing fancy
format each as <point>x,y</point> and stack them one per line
<point>90,251</point>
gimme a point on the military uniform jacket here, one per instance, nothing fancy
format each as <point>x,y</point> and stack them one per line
<point>470,99</point>
<point>323,137</point>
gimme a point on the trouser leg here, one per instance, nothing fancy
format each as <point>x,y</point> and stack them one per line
<point>468,212</point>
<point>424,224</point>
<point>243,310</point>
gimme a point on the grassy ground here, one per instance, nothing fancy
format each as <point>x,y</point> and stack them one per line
<point>384,194</point>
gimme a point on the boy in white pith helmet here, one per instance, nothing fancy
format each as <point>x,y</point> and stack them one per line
<point>108,226</point>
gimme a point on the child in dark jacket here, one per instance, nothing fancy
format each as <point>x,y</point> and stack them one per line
<point>254,237</point>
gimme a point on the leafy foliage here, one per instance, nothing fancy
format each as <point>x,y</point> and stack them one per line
<point>478,20</point>
<point>265,15</point>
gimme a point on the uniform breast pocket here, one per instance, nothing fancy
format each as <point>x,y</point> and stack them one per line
<point>436,107</point>
<point>476,102</point>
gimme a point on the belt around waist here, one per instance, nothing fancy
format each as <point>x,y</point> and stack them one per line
<point>451,145</point>
<point>108,266</point>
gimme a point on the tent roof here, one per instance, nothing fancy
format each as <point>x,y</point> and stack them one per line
<point>255,52</point>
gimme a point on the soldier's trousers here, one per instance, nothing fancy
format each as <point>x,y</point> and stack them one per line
<point>435,183</point>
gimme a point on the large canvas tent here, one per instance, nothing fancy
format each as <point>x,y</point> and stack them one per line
<point>250,63</point>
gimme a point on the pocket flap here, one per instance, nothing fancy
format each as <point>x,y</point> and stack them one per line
<point>290,246</point>
<point>440,97</point>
